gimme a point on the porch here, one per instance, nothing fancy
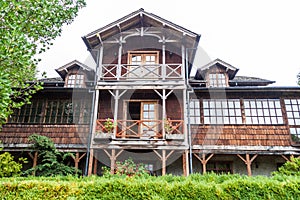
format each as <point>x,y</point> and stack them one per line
<point>113,72</point>
<point>140,129</point>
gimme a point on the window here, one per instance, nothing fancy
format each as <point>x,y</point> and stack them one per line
<point>194,111</point>
<point>143,65</point>
<point>219,167</point>
<point>75,80</point>
<point>58,111</point>
<point>292,107</point>
<point>217,80</point>
<point>222,111</point>
<point>29,113</point>
<point>263,111</point>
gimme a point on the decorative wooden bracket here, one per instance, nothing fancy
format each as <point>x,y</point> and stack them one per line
<point>113,157</point>
<point>248,162</point>
<point>204,160</point>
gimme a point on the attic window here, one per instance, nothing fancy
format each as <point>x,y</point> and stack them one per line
<point>75,80</point>
<point>217,80</point>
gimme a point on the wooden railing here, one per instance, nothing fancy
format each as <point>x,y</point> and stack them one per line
<point>135,72</point>
<point>142,129</point>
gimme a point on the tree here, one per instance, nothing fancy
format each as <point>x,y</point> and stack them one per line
<point>27,28</point>
<point>50,160</point>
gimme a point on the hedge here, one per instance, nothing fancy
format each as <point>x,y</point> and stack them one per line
<point>196,186</point>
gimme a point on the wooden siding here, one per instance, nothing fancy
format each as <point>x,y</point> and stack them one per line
<point>60,134</point>
<point>241,135</point>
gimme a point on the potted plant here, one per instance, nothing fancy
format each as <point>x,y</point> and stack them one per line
<point>171,131</point>
<point>107,130</point>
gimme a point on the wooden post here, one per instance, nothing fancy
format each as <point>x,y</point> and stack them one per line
<point>248,161</point>
<point>185,163</point>
<point>163,59</point>
<point>204,161</point>
<point>163,170</point>
<point>95,163</point>
<point>91,162</point>
<point>113,161</point>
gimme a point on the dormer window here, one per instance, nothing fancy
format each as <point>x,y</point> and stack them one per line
<point>75,81</point>
<point>217,80</point>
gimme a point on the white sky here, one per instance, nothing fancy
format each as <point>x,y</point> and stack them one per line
<point>260,37</point>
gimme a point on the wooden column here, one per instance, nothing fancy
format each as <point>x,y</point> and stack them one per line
<point>163,58</point>
<point>113,161</point>
<point>204,160</point>
<point>164,163</point>
<point>185,163</point>
<point>91,162</point>
<point>118,73</point>
<point>95,166</point>
<point>248,161</point>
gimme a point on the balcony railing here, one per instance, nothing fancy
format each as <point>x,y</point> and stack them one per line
<point>144,72</point>
<point>141,129</point>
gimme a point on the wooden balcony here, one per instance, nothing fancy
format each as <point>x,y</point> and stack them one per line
<point>142,129</point>
<point>113,72</point>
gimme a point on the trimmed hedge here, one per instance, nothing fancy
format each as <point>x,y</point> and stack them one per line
<point>196,186</point>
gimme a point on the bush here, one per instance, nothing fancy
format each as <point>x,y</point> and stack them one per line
<point>50,160</point>
<point>9,167</point>
<point>196,186</point>
<point>291,168</point>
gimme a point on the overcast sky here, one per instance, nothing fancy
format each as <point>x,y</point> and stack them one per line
<point>260,38</point>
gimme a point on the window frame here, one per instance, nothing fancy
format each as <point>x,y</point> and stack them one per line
<point>77,82</point>
<point>292,109</point>
<point>215,80</point>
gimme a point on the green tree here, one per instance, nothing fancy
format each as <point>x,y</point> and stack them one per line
<point>51,162</point>
<point>27,28</point>
<point>9,167</point>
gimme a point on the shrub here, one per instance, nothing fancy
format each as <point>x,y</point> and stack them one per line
<point>50,160</point>
<point>290,168</point>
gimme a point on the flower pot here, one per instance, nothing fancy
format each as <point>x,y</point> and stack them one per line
<point>174,136</point>
<point>103,135</point>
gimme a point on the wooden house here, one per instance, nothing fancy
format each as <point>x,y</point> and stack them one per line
<point>144,101</point>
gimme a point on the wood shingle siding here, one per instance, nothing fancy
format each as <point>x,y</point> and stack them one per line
<point>60,134</point>
<point>241,135</point>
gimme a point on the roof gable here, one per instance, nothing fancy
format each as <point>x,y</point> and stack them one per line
<point>230,70</point>
<point>63,70</point>
<point>136,19</point>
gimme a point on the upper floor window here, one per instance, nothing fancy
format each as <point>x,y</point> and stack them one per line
<point>143,64</point>
<point>217,80</point>
<point>75,80</point>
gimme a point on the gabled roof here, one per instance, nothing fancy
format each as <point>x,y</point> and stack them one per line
<point>136,19</point>
<point>63,70</point>
<point>231,70</point>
